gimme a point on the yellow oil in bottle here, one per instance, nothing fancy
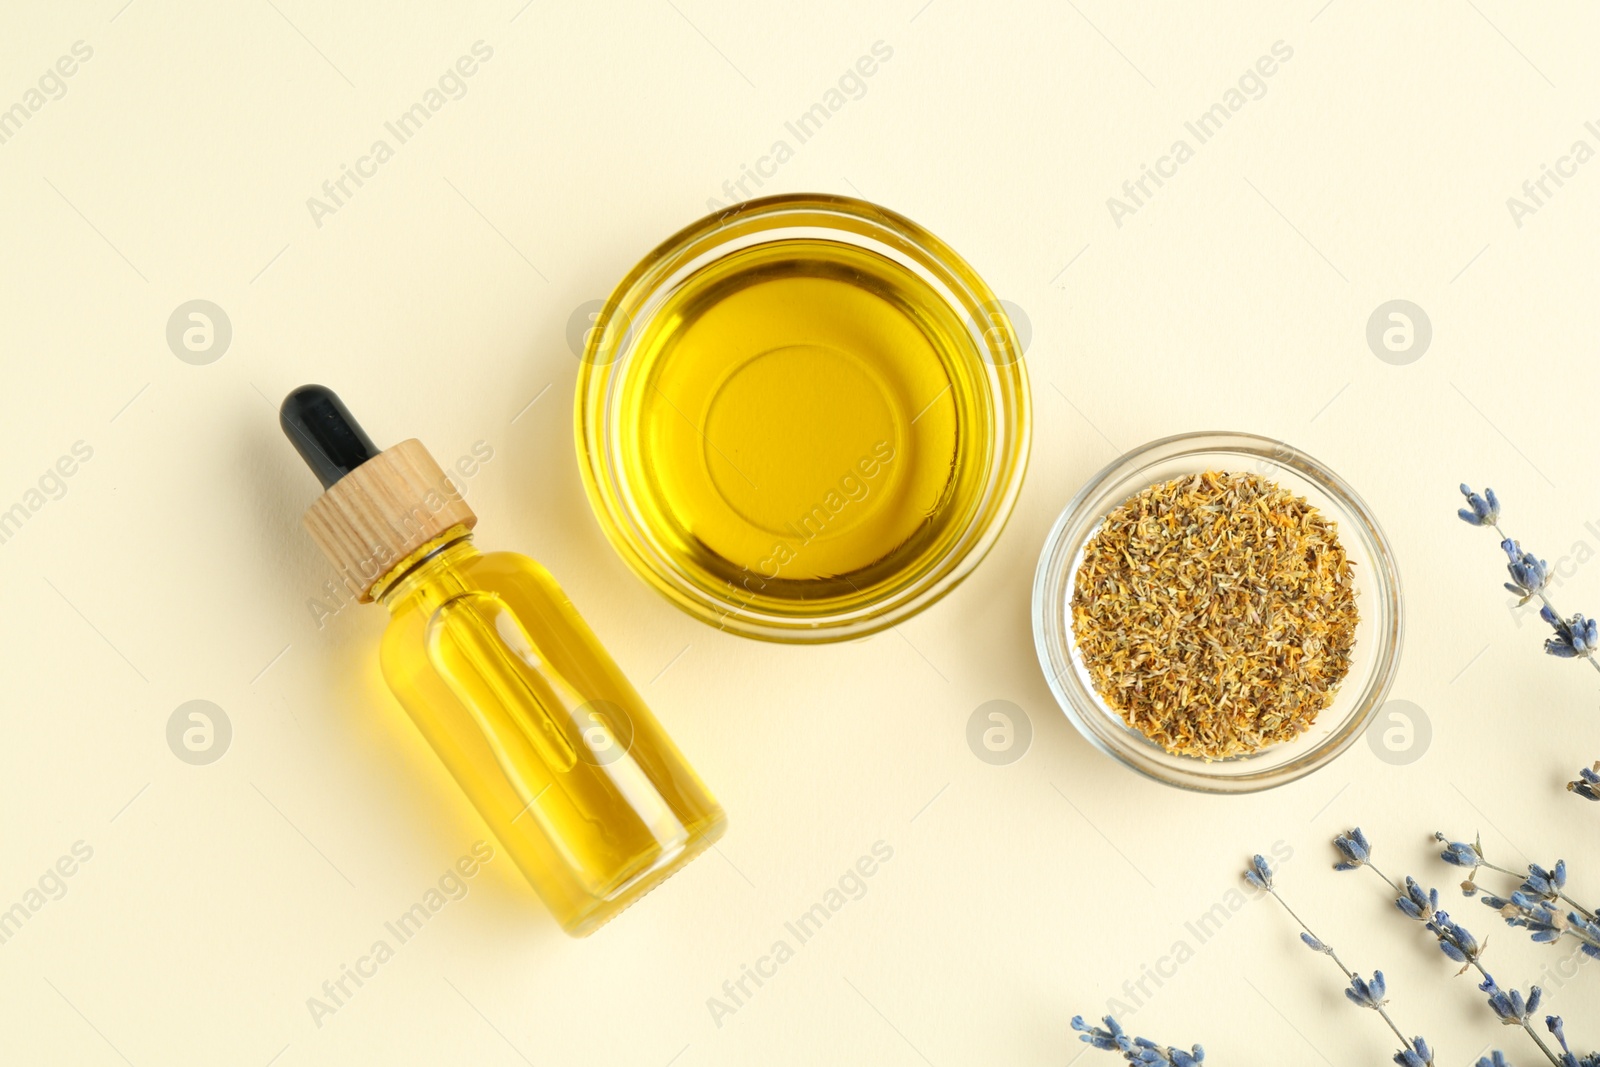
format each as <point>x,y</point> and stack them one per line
<point>506,682</point>
<point>541,730</point>
<point>798,419</point>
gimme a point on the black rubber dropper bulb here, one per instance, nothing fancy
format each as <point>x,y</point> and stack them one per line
<point>324,432</point>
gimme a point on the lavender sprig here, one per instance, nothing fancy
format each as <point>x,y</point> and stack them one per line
<point>1454,940</point>
<point>1533,905</point>
<point>1362,992</point>
<point>1545,924</point>
<point>1576,637</point>
<point>1137,1050</point>
<point>1537,882</point>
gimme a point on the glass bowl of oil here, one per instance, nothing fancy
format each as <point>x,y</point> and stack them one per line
<point>802,418</point>
<point>1375,656</point>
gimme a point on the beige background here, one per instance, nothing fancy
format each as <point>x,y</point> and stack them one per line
<point>177,166</point>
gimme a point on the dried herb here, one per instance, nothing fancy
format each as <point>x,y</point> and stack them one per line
<point>1216,613</point>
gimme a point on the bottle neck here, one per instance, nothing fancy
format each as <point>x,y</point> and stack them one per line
<point>424,567</point>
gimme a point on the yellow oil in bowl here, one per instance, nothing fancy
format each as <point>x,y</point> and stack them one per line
<point>797,435</point>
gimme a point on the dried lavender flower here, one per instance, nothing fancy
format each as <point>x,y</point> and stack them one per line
<point>1588,784</point>
<point>1418,903</point>
<point>1420,1055</point>
<point>1574,637</point>
<point>1547,885</point>
<point>1586,930</point>
<point>1485,510</point>
<point>1511,1008</point>
<point>1259,873</point>
<point>1456,940</point>
<point>1461,854</point>
<point>1354,848</point>
<point>1368,994</point>
<point>1529,573</point>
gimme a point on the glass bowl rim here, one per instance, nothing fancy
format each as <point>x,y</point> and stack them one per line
<point>1085,709</point>
<point>1005,381</point>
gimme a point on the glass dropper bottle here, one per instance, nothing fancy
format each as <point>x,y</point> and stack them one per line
<point>568,767</point>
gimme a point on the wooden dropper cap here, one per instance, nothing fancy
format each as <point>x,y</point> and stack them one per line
<point>378,507</point>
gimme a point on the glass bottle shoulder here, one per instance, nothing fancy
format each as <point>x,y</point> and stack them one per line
<point>523,585</point>
<point>511,571</point>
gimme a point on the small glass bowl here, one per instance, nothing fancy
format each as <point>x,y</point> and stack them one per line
<point>995,445</point>
<point>1374,659</point>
